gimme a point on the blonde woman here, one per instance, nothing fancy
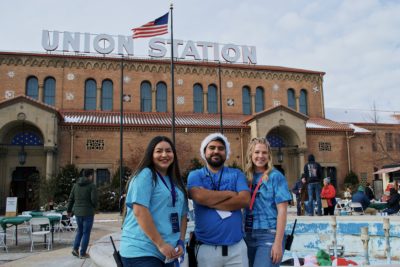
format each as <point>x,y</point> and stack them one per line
<point>265,219</point>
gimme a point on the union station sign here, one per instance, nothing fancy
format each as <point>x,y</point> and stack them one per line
<point>108,44</point>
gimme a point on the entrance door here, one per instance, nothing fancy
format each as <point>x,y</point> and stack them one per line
<point>23,187</point>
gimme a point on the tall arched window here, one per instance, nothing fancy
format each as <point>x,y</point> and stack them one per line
<point>145,97</point>
<point>161,97</point>
<point>303,102</point>
<point>49,92</point>
<point>246,100</point>
<point>212,99</point>
<point>259,99</point>
<point>291,98</point>
<point>198,98</point>
<point>107,95</point>
<point>90,94</point>
<point>32,87</point>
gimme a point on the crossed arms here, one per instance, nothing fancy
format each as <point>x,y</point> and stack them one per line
<point>221,200</point>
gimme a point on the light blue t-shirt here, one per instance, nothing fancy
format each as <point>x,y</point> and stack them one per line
<point>271,192</point>
<point>157,198</point>
<point>210,228</point>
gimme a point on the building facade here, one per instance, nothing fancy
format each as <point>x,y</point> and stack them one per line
<point>65,109</point>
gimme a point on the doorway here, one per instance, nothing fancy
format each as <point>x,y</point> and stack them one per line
<point>23,184</point>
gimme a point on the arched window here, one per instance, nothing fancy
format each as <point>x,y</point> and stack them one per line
<point>303,102</point>
<point>32,87</point>
<point>49,92</point>
<point>27,138</point>
<point>145,97</point>
<point>161,97</point>
<point>291,99</point>
<point>260,99</point>
<point>212,99</point>
<point>246,100</point>
<point>198,98</point>
<point>90,94</point>
<point>107,95</point>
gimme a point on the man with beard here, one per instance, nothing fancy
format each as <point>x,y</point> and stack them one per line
<point>219,193</point>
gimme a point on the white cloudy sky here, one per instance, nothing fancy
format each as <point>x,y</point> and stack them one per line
<point>356,42</point>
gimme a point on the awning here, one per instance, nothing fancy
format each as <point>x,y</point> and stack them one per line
<point>386,170</point>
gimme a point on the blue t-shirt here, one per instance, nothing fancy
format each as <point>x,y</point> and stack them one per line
<point>210,228</point>
<point>271,192</point>
<point>157,198</point>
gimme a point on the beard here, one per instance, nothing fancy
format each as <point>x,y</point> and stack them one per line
<point>216,163</point>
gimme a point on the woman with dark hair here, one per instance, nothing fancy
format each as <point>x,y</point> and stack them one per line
<point>155,221</point>
<point>265,219</point>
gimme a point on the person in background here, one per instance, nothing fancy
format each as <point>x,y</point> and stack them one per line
<point>154,226</point>
<point>313,173</point>
<point>265,219</point>
<point>218,193</point>
<point>328,193</point>
<point>300,190</point>
<point>82,202</point>
<point>360,197</point>
<point>369,191</point>
<point>347,193</point>
<point>393,203</point>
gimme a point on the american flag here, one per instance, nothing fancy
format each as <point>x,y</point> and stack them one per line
<point>153,28</point>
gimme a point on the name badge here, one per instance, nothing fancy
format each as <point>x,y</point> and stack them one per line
<point>174,222</point>
<point>248,223</point>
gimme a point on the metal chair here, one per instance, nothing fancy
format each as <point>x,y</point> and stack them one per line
<point>40,227</point>
<point>2,243</point>
<point>356,208</point>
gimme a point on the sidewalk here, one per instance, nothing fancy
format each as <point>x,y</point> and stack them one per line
<point>60,255</point>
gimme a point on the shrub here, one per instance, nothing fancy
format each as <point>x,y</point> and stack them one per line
<point>351,180</point>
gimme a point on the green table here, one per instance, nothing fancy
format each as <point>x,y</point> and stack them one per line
<point>7,222</point>
<point>378,205</point>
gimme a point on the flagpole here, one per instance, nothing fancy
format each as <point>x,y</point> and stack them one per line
<point>121,129</point>
<point>172,76</point>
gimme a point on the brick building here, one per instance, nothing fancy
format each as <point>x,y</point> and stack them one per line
<point>61,109</point>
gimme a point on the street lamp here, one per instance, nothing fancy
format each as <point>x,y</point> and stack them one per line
<point>280,155</point>
<point>22,154</point>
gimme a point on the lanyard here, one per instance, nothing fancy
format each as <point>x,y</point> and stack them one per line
<point>212,180</point>
<point>253,197</point>
<point>173,192</point>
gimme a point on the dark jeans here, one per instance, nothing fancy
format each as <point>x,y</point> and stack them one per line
<point>145,262</point>
<point>82,237</point>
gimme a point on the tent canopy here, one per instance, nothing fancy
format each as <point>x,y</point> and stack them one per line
<point>387,170</point>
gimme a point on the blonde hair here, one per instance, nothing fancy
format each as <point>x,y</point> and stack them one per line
<point>250,168</point>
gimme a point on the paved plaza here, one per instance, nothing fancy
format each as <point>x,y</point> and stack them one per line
<point>60,255</point>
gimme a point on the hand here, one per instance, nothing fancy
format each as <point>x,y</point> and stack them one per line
<point>276,253</point>
<point>168,251</point>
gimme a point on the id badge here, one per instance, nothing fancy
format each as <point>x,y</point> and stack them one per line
<point>174,222</point>
<point>248,224</point>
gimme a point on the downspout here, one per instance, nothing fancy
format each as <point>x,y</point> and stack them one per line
<point>72,144</point>
<point>348,149</point>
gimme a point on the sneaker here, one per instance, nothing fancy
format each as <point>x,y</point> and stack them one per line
<point>75,253</point>
<point>85,256</point>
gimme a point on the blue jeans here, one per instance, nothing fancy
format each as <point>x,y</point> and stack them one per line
<point>145,262</point>
<point>82,237</point>
<point>314,189</point>
<point>259,245</point>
